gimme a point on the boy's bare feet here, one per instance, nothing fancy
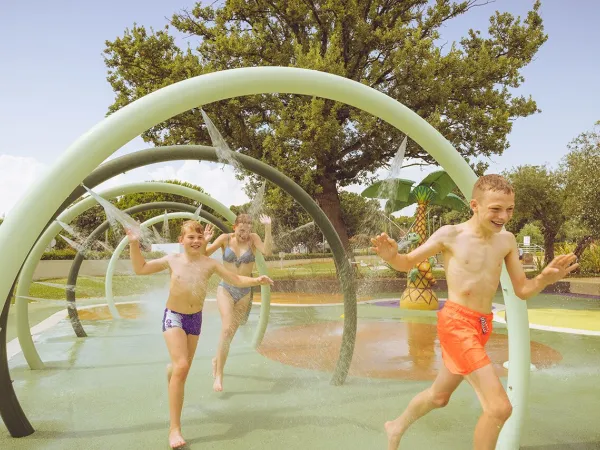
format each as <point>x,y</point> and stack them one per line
<point>218,385</point>
<point>394,434</point>
<point>176,439</point>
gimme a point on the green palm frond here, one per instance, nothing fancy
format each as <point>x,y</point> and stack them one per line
<point>439,181</point>
<point>451,201</point>
<point>423,194</point>
<point>394,189</point>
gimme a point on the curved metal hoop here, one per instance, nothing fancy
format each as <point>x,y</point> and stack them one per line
<point>116,130</point>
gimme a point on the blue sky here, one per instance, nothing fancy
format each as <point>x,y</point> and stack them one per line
<point>53,85</point>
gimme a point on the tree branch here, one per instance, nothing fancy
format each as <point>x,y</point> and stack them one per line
<point>324,32</point>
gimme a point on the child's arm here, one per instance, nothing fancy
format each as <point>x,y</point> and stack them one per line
<point>387,249</point>
<point>265,248</point>
<point>238,280</point>
<point>558,268</point>
<point>140,265</point>
<point>210,249</point>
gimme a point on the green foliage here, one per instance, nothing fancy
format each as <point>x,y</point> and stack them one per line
<point>465,90</point>
<point>538,197</point>
<point>91,219</point>
<point>581,167</point>
<point>533,231</point>
<point>589,262</point>
<point>454,217</point>
<point>59,254</point>
<point>361,215</point>
<point>572,231</point>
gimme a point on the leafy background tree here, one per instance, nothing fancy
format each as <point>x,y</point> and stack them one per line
<point>87,222</point>
<point>581,167</point>
<point>465,89</point>
<point>533,230</point>
<point>539,196</point>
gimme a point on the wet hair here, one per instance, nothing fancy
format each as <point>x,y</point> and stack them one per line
<point>243,218</point>
<point>191,226</point>
<point>493,183</point>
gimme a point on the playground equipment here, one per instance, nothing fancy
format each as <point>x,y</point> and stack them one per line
<point>116,130</point>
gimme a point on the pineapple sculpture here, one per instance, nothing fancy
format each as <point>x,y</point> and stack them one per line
<point>419,293</point>
<point>435,189</point>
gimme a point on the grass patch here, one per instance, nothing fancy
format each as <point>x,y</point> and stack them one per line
<point>123,285</point>
<point>88,287</point>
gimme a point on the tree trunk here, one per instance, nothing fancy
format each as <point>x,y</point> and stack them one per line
<point>329,201</point>
<point>549,238</point>
<point>583,243</point>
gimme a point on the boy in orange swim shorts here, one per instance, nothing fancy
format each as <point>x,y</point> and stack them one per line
<point>473,253</point>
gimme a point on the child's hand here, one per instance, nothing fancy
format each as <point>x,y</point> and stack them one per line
<point>264,280</point>
<point>265,220</point>
<point>559,267</point>
<point>385,246</point>
<point>132,235</point>
<point>208,232</point>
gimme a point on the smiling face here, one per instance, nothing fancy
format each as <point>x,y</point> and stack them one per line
<point>192,238</point>
<point>242,227</point>
<point>493,209</point>
<point>242,231</point>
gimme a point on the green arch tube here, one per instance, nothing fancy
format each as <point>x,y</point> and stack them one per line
<point>22,305</point>
<point>79,258</point>
<point>85,154</point>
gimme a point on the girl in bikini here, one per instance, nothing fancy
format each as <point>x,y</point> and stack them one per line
<point>233,302</point>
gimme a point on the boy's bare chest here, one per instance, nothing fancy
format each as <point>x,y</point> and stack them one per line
<point>189,274</point>
<point>475,255</point>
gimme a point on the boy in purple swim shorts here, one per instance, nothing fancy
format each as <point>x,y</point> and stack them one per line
<point>182,319</point>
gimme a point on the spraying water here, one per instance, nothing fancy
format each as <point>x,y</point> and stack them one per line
<point>197,213</point>
<point>77,246</point>
<point>157,237</point>
<point>165,229</point>
<point>398,159</point>
<point>256,207</point>
<point>80,239</point>
<point>115,216</point>
<point>388,187</point>
<point>224,153</point>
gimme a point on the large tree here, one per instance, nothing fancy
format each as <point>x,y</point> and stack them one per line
<point>465,89</point>
<point>581,167</point>
<point>539,196</point>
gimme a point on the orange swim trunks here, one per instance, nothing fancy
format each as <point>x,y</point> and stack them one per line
<point>463,334</point>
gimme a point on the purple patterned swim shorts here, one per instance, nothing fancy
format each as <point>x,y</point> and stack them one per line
<point>190,323</point>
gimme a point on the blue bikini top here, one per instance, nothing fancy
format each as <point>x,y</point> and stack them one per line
<point>230,256</point>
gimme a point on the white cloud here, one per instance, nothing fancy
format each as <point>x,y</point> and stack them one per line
<point>17,174</point>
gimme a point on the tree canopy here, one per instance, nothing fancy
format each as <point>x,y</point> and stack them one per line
<point>464,89</point>
<point>539,195</point>
<point>581,167</point>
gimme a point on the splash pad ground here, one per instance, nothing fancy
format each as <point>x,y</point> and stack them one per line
<point>109,390</point>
